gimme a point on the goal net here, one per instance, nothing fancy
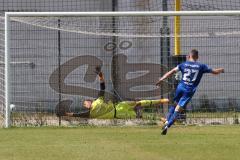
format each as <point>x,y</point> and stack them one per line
<point>52,58</point>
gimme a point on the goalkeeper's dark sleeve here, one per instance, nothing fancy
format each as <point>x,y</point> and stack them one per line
<point>102,89</point>
<point>102,85</point>
<point>82,114</point>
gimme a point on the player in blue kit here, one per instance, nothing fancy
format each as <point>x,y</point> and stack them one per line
<point>192,72</point>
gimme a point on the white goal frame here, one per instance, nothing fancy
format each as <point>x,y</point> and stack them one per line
<point>90,14</point>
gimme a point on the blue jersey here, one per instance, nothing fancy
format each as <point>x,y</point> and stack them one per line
<point>192,73</point>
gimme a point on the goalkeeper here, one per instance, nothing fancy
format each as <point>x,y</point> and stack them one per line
<point>102,109</point>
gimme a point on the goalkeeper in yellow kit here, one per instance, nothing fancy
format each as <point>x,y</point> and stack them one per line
<point>102,109</point>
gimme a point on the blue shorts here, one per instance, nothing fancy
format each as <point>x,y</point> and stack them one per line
<point>183,96</point>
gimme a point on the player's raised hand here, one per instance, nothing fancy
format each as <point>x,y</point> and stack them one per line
<point>98,69</point>
<point>222,69</point>
<point>217,71</point>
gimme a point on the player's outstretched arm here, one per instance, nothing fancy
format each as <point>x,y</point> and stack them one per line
<point>166,75</point>
<point>80,114</point>
<point>217,71</point>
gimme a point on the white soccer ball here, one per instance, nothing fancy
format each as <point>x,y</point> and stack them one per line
<point>12,106</point>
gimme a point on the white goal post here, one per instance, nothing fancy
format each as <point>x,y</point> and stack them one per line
<point>8,16</point>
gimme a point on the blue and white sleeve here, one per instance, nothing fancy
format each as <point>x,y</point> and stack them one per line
<point>206,69</point>
<point>179,67</point>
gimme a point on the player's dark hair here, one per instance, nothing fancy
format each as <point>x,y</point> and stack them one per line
<point>194,53</point>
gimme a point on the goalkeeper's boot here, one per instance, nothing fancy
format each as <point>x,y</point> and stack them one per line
<point>164,130</point>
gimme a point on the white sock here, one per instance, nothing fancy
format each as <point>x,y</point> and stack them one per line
<point>166,123</point>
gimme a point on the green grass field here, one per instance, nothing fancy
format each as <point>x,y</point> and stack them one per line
<point>120,143</point>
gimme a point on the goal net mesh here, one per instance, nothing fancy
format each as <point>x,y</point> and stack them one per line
<point>53,60</point>
<point>151,29</point>
<point>138,27</point>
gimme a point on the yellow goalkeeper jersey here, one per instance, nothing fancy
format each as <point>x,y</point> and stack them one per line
<point>101,109</point>
<point>106,110</point>
<point>124,109</point>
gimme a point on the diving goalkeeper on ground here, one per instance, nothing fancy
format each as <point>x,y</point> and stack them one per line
<point>106,109</point>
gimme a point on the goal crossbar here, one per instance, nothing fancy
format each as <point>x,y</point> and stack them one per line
<point>128,13</point>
